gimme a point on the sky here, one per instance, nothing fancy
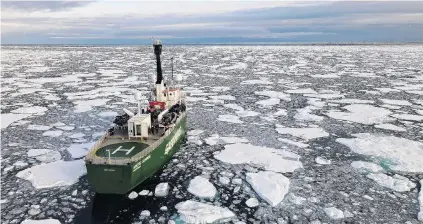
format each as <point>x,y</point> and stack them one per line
<point>210,22</point>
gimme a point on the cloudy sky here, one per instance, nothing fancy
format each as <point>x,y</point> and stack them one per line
<point>135,22</point>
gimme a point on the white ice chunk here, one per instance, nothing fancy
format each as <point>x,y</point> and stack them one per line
<point>44,155</point>
<point>230,118</point>
<point>58,173</point>
<point>323,161</point>
<point>202,188</point>
<point>38,127</point>
<point>216,139</point>
<point>77,135</point>
<point>233,106</point>
<point>30,110</point>
<point>144,192</point>
<point>281,112</point>
<point>247,113</point>
<point>8,119</point>
<point>274,94</point>
<point>223,97</point>
<point>133,195</point>
<point>269,102</point>
<point>304,133</point>
<point>257,82</point>
<point>362,113</point>
<point>145,213</point>
<point>252,202</point>
<point>396,182</point>
<point>271,159</point>
<point>162,190</point>
<point>224,180</point>
<point>352,101</point>
<point>334,213</point>
<point>270,186</point>
<point>301,91</point>
<point>195,132</point>
<point>396,102</point>
<point>108,114</point>
<point>198,212</point>
<point>398,153</point>
<point>420,214</point>
<point>41,221</point>
<point>408,117</point>
<point>298,144</point>
<point>387,90</point>
<point>80,150</point>
<point>56,133</point>
<point>366,167</point>
<point>390,127</point>
<point>306,115</point>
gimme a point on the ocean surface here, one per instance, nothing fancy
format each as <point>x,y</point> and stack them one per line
<point>277,134</point>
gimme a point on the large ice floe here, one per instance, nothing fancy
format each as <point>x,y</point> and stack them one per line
<point>80,150</point>
<point>202,188</point>
<point>54,174</point>
<point>270,186</point>
<point>393,152</point>
<point>8,119</point>
<point>41,221</point>
<point>216,139</point>
<point>362,113</point>
<point>44,155</point>
<point>396,182</point>
<point>269,158</point>
<point>230,118</point>
<point>197,212</point>
<point>274,94</point>
<point>304,133</point>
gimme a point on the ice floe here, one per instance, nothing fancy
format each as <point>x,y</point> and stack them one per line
<point>390,127</point>
<point>366,167</point>
<point>420,214</point>
<point>334,213</point>
<point>352,101</point>
<point>54,174</point>
<point>84,106</point>
<point>274,94</point>
<point>38,127</point>
<point>271,159</point>
<point>247,113</point>
<point>56,133</point>
<point>230,118</point>
<point>304,133</point>
<point>223,97</point>
<point>269,102</point>
<point>30,110</point>
<point>80,150</point>
<point>398,153</point>
<point>202,188</point>
<point>252,202</point>
<point>270,186</point>
<point>323,161</point>
<point>362,113</point>
<point>8,119</point>
<point>306,115</point>
<point>108,114</point>
<point>396,102</point>
<point>301,91</point>
<point>41,221</point>
<point>396,182</point>
<point>132,195</point>
<point>197,212</point>
<point>216,139</point>
<point>144,192</point>
<point>162,190</point>
<point>233,106</point>
<point>408,117</point>
<point>44,155</point>
<point>280,112</point>
<point>298,144</point>
<point>256,82</point>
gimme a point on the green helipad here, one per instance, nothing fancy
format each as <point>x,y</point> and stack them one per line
<point>124,149</point>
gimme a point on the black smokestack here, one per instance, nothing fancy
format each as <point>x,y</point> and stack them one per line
<point>158,51</point>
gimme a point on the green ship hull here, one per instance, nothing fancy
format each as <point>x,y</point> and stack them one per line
<point>112,178</point>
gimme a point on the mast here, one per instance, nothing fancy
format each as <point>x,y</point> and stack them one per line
<point>158,51</point>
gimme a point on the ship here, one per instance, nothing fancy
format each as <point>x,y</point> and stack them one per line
<point>138,144</point>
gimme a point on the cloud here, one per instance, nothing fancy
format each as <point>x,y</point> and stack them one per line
<point>42,5</point>
<point>129,22</point>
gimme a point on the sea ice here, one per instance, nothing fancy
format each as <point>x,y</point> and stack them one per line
<point>202,188</point>
<point>38,127</point>
<point>271,159</point>
<point>269,102</point>
<point>144,192</point>
<point>30,110</point>
<point>390,127</point>
<point>198,212</point>
<point>398,153</point>
<point>280,112</point>
<point>301,91</point>
<point>216,139</point>
<point>396,182</point>
<point>108,114</point>
<point>352,101</point>
<point>305,114</point>
<point>162,190</point>
<point>420,215</point>
<point>41,221</point>
<point>54,174</point>
<point>362,113</point>
<point>230,118</point>
<point>223,97</point>
<point>257,82</point>
<point>133,195</point>
<point>224,180</point>
<point>274,94</point>
<point>323,161</point>
<point>270,186</point>
<point>366,167</point>
<point>56,133</point>
<point>408,117</point>
<point>77,135</point>
<point>396,102</point>
<point>80,150</point>
<point>298,144</point>
<point>334,213</point>
<point>304,133</point>
<point>252,202</point>
<point>247,113</point>
<point>44,155</point>
<point>8,119</point>
<point>145,213</point>
<point>233,106</point>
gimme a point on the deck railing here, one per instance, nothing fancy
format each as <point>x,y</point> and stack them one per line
<point>91,157</point>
